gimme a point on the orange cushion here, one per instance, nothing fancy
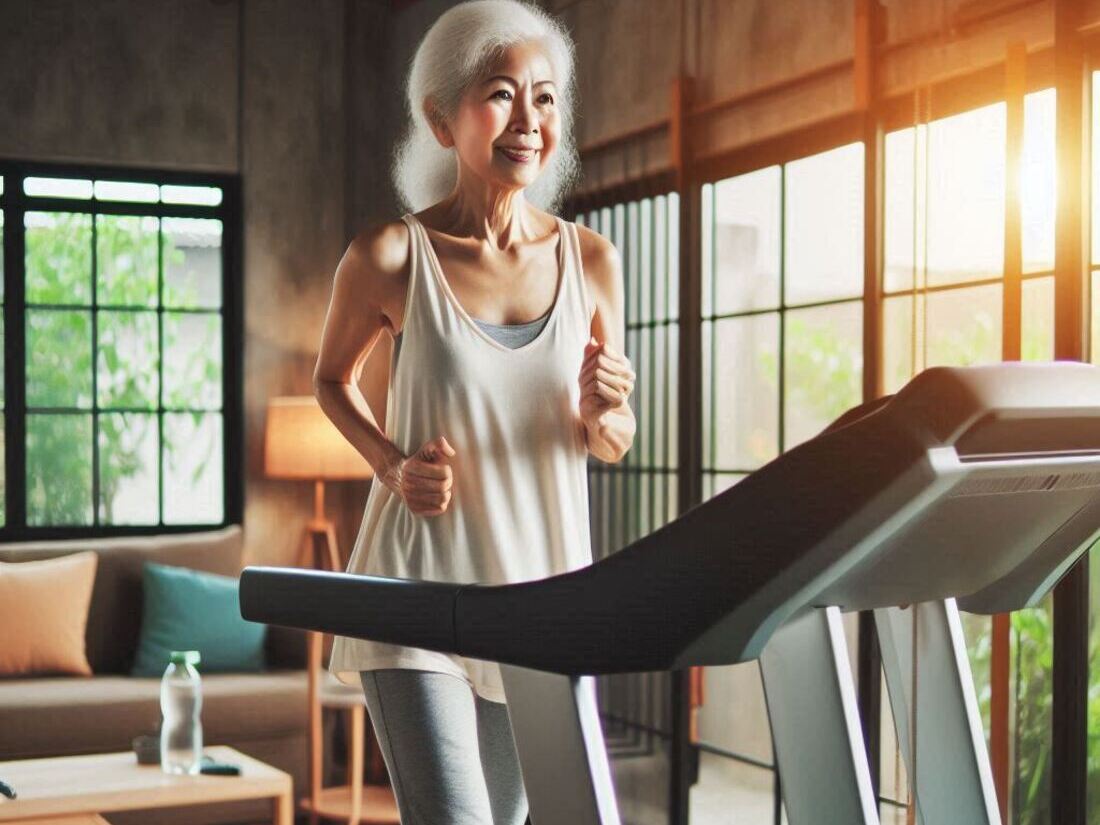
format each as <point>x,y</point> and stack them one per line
<point>44,612</point>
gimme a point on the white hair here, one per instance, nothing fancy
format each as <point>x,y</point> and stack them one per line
<point>457,51</point>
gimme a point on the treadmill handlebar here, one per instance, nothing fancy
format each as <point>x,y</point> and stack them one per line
<point>397,611</point>
<point>806,529</point>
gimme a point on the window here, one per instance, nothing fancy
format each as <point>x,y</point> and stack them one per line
<point>638,495</point>
<point>782,329</point>
<point>119,311</point>
<point>945,304</point>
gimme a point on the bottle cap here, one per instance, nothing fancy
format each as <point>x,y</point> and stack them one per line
<point>184,657</point>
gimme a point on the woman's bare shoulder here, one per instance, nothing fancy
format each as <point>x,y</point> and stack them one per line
<point>382,247</point>
<point>378,256</point>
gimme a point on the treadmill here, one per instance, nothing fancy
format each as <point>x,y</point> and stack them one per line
<point>972,488</point>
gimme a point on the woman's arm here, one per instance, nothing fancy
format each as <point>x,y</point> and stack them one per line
<point>367,276</point>
<point>611,434</point>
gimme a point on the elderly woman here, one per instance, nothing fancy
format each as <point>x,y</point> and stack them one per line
<point>507,370</point>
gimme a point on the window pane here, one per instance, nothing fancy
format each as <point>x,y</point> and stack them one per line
<point>191,263</point>
<point>3,465</point>
<point>823,368</point>
<point>660,258</point>
<point>57,188</point>
<point>715,483</point>
<point>1094,340</point>
<point>735,715</point>
<point>58,258</point>
<point>823,235</point>
<point>673,374</point>
<point>121,190</point>
<point>964,326</point>
<point>1037,182</point>
<point>192,360</point>
<point>59,469</point>
<point>127,363</point>
<point>904,152</point>
<point>1037,319</point>
<point>743,370</point>
<point>193,489</point>
<point>893,782</point>
<point>1095,168</point>
<point>902,340</point>
<point>674,255</point>
<point>3,479</point>
<point>978,633</point>
<point>645,285</point>
<point>966,195</point>
<point>746,242</point>
<point>644,398</point>
<point>197,195</point>
<point>128,468</point>
<point>59,358</point>
<point>126,259</point>
<point>1032,686</point>
<point>630,245</point>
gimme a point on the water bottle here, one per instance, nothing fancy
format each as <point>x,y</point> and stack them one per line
<point>180,706</point>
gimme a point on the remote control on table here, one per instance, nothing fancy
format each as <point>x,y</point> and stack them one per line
<point>209,766</point>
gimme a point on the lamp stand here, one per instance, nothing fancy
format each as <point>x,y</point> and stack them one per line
<point>319,526</point>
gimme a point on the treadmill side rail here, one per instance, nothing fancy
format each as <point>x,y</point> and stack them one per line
<point>953,778</point>
<point>818,740</point>
<point>562,755</point>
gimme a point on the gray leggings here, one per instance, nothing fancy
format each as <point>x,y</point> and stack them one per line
<point>449,752</point>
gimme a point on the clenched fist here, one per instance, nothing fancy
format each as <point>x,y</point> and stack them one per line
<point>423,479</point>
<point>606,380</point>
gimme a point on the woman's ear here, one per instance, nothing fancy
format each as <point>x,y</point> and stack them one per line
<point>438,125</point>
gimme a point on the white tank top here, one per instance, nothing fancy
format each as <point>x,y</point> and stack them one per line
<point>519,498</point>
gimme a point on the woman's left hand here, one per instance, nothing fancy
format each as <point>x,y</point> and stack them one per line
<point>606,380</point>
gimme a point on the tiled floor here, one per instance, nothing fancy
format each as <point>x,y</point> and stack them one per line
<point>733,793</point>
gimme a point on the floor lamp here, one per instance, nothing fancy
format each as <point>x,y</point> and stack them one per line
<point>301,443</point>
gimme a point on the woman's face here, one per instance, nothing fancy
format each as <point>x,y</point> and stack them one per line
<point>506,127</point>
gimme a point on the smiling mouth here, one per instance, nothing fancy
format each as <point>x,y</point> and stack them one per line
<point>518,155</point>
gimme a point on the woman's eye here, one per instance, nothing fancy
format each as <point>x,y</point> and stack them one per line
<point>546,97</point>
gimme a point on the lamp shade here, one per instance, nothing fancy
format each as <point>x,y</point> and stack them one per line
<point>300,442</point>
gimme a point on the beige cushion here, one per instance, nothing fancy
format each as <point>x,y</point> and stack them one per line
<point>44,608</point>
<point>114,618</point>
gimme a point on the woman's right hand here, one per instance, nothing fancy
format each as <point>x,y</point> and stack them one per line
<point>423,479</point>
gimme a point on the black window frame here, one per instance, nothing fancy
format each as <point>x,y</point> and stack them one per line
<point>15,204</point>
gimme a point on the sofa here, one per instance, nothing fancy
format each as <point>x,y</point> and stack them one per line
<point>261,714</point>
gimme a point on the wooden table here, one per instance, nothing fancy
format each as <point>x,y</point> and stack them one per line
<point>74,790</point>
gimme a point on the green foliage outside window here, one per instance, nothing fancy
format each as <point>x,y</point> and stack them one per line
<point>128,363</point>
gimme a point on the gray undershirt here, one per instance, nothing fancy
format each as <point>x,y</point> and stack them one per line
<point>511,335</point>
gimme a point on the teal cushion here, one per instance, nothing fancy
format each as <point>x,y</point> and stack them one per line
<point>192,610</point>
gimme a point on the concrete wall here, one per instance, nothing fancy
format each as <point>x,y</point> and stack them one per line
<point>286,93</point>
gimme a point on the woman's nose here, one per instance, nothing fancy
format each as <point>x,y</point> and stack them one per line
<point>526,119</point>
